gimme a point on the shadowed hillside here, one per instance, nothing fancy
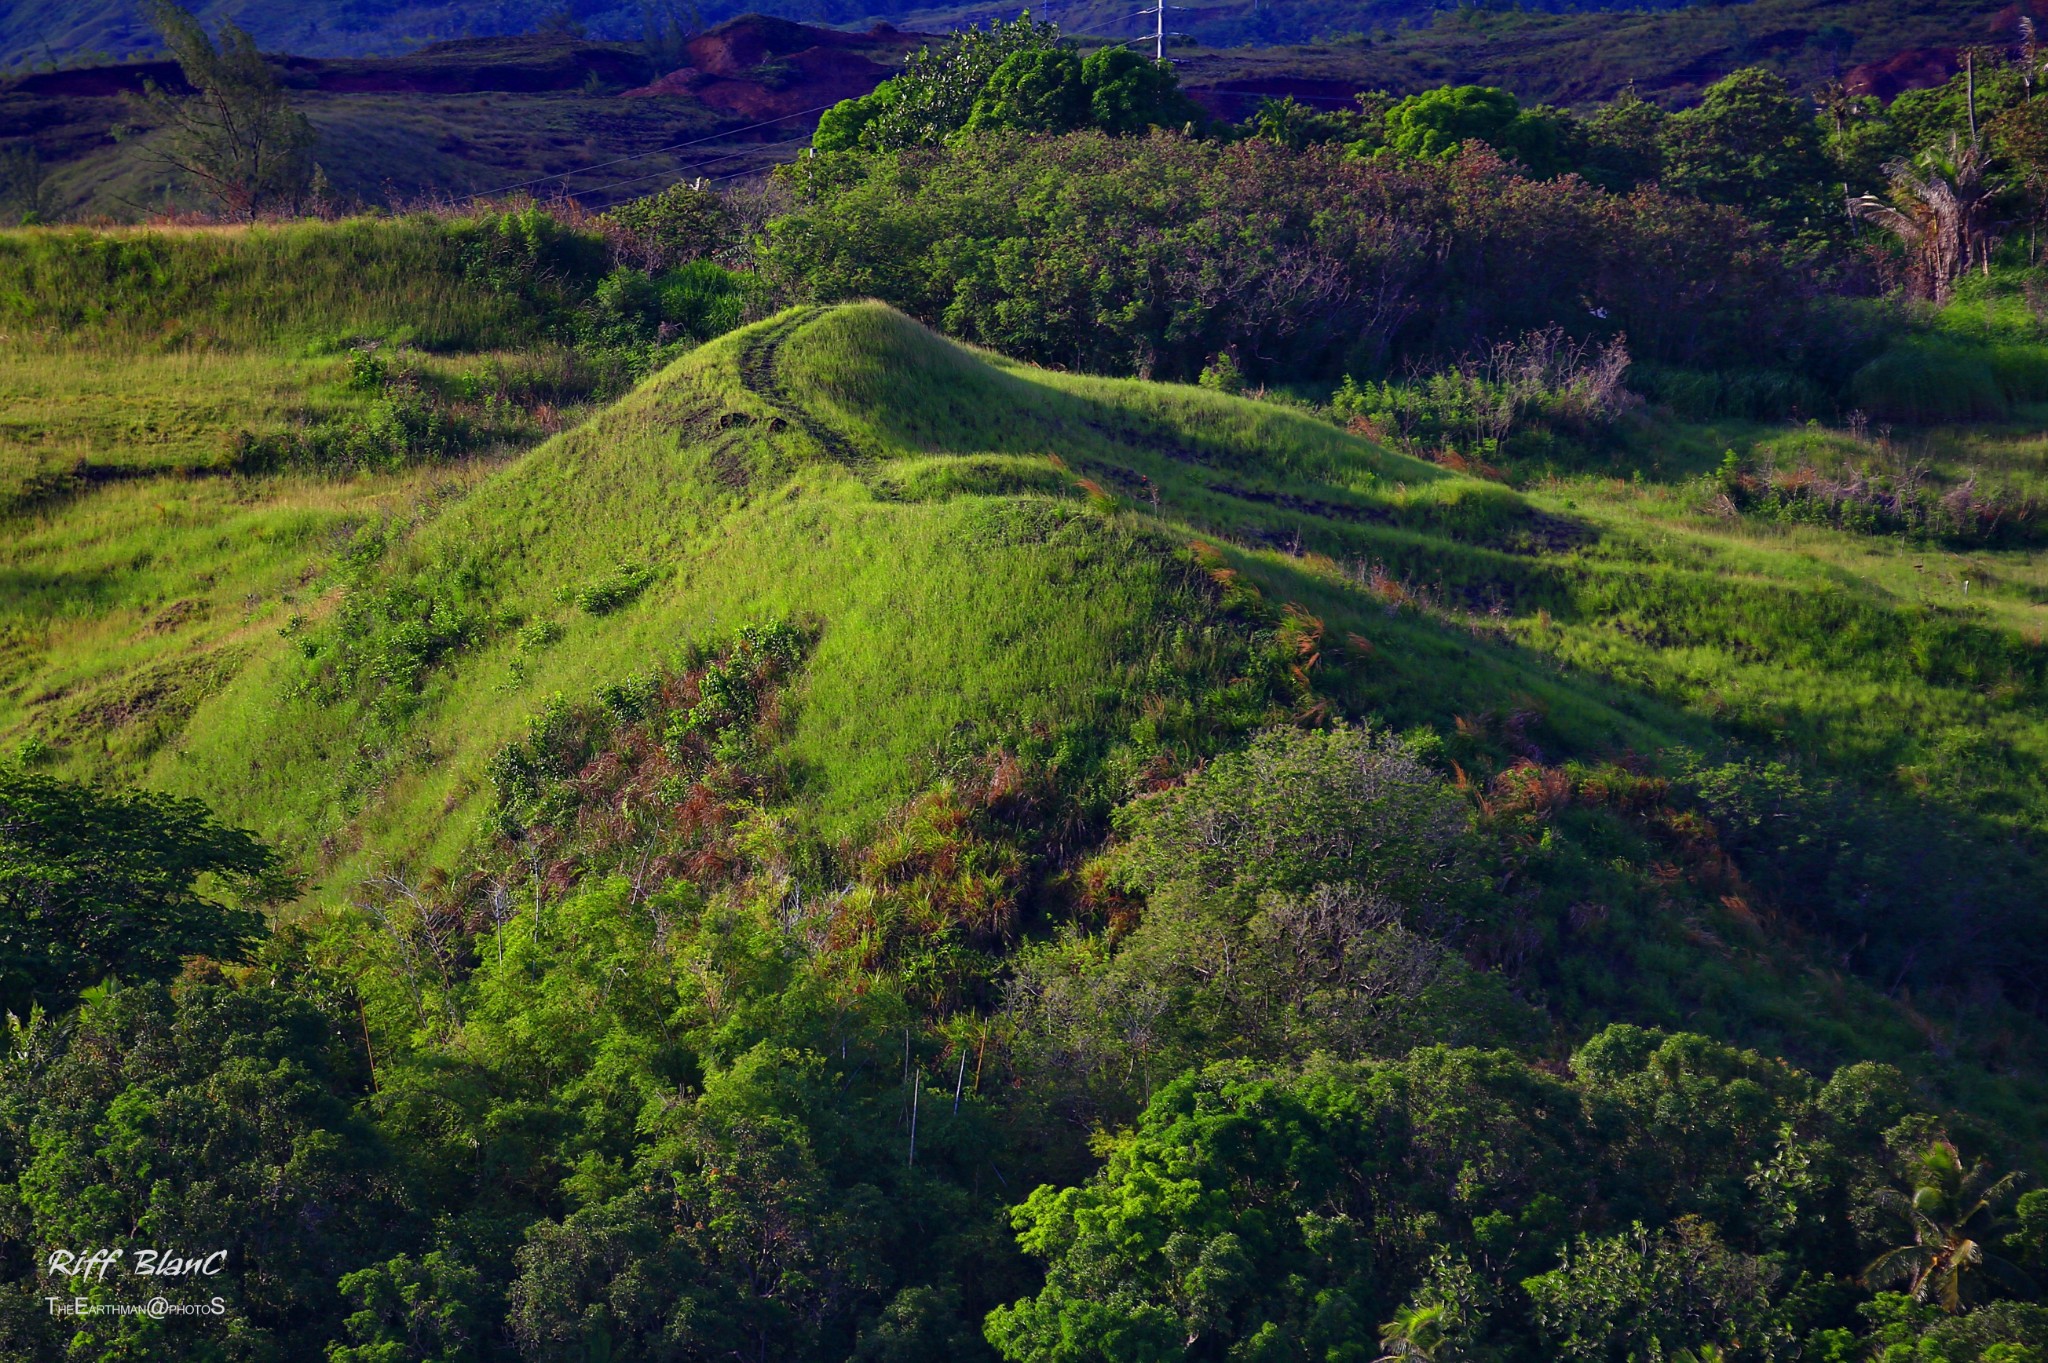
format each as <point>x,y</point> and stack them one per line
<point>473,115</point>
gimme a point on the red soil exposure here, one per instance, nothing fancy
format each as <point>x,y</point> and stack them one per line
<point>1919,69</point>
<point>767,68</point>
<point>737,47</point>
<point>805,80</point>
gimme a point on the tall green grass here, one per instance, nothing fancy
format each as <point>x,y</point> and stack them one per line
<point>304,285</point>
<point>1928,381</point>
<point>1975,359</point>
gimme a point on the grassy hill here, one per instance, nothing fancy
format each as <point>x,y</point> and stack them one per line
<point>755,802</point>
<point>749,484</point>
<point>1110,577</point>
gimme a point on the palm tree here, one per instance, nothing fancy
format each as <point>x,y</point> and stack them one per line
<point>1416,1333</point>
<point>1940,200</point>
<point>1952,1213</point>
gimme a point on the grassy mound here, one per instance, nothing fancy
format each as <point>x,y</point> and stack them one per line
<point>928,512</point>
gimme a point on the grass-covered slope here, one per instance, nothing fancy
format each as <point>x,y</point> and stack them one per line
<point>1116,579</point>
<point>353,345</point>
<point>299,284</point>
<point>846,469</point>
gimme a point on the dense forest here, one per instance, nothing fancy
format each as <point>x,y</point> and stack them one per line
<point>1064,731</point>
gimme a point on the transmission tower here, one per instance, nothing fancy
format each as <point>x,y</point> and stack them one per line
<point>1159,33</point>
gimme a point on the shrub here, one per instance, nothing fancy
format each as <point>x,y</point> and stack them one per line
<point>1151,256</point>
<point>691,303</point>
<point>2021,371</point>
<point>1742,394</point>
<point>1540,378</point>
<point>1851,496</point>
<point>367,371</point>
<point>674,227</point>
<point>400,429</point>
<point>703,300</point>
<point>391,630</point>
<point>620,587</point>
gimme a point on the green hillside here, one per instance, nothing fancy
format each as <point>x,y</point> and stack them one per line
<point>845,467</point>
<point>756,796</point>
<point>992,556</point>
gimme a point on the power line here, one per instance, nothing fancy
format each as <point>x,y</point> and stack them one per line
<point>732,175</point>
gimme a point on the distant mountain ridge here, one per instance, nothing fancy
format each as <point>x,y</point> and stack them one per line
<point>66,32</point>
<point>1564,51</point>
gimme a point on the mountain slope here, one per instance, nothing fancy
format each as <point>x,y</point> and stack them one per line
<point>551,113</point>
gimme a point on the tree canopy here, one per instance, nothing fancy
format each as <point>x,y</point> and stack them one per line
<point>96,886</point>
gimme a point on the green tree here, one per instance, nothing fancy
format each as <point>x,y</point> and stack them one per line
<point>1291,124</point>
<point>236,134</point>
<point>1294,810</point>
<point>2020,137</point>
<point>1907,1331</point>
<point>1295,894</point>
<point>207,1118</point>
<point>1860,141</point>
<point>1985,85</point>
<point>1017,76</point>
<point>96,886</point>
<point>412,1311</point>
<point>1940,210</point>
<point>1952,1213</point>
<point>1229,1220</point>
<point>1415,1332</point>
<point>1037,90</point>
<point>1624,143</point>
<point>1641,1295</point>
<point>1687,1114</point>
<point>1436,123</point>
<point>1751,143</point>
<point>937,91</point>
<point>844,126</point>
<point>1128,93</point>
<point>2028,1238</point>
<point>25,185</point>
